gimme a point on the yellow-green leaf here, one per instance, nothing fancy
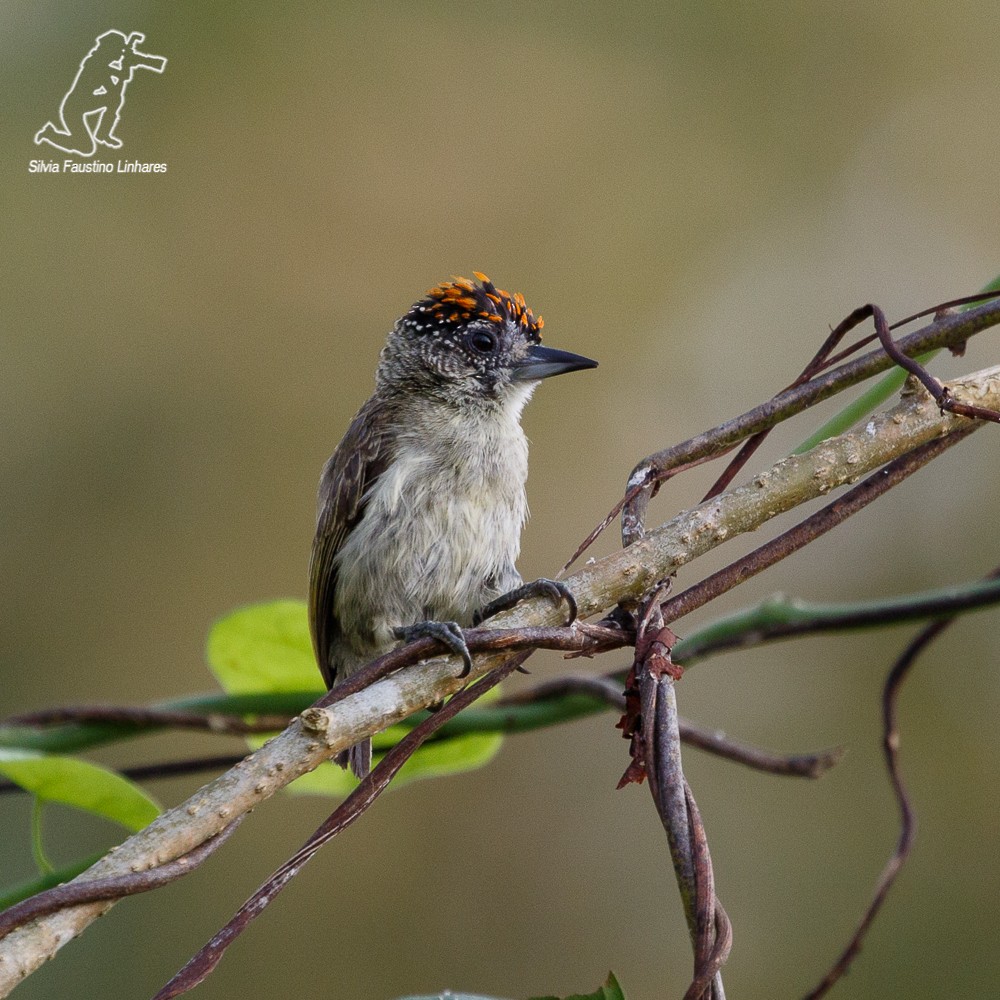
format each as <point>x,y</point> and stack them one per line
<point>432,760</point>
<point>264,647</point>
<point>78,783</point>
<point>609,991</point>
<point>267,648</point>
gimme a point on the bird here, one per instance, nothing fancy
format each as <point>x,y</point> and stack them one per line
<point>420,507</point>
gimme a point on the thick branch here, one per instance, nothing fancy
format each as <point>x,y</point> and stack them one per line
<point>623,576</point>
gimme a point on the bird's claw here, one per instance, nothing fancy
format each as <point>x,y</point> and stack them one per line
<point>449,634</point>
<point>558,593</point>
<point>554,590</point>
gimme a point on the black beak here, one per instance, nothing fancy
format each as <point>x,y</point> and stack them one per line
<point>542,362</point>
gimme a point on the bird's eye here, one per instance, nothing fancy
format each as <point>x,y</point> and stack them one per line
<point>482,341</point>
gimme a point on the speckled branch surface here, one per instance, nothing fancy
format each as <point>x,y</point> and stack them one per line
<point>320,733</point>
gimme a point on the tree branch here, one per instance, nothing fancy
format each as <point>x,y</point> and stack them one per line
<point>624,576</point>
<point>950,330</point>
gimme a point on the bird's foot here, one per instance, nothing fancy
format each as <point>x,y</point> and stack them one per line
<point>558,593</point>
<point>449,634</point>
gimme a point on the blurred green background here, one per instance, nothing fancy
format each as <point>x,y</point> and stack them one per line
<point>691,193</point>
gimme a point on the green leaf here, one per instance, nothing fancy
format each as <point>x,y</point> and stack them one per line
<point>267,648</point>
<point>79,784</point>
<point>264,647</point>
<point>609,991</point>
<point>433,760</point>
<point>449,995</point>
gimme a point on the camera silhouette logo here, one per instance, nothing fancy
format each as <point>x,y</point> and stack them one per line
<point>92,108</point>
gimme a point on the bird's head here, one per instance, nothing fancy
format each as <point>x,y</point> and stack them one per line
<point>469,341</point>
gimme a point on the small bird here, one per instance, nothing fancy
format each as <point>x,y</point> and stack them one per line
<point>421,506</point>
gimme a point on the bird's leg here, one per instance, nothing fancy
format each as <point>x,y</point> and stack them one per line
<point>449,634</point>
<point>555,591</point>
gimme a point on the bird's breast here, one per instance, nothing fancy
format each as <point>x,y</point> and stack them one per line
<point>440,534</point>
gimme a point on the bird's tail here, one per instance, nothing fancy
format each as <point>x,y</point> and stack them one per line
<point>358,758</point>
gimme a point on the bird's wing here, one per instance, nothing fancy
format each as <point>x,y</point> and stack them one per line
<point>359,460</point>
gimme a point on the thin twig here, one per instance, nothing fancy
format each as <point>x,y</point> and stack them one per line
<point>942,396</point>
<point>803,765</point>
<point>150,718</point>
<point>939,311</point>
<point>660,754</point>
<point>819,361</point>
<point>608,689</point>
<point>908,822</point>
<point>631,493</point>
<point>579,636</point>
<point>114,886</point>
<point>715,932</point>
